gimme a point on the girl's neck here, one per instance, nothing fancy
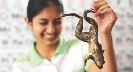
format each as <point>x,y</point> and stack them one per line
<point>46,51</point>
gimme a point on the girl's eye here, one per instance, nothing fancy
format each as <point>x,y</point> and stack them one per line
<point>43,23</point>
<point>57,22</point>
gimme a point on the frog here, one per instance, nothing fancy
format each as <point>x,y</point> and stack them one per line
<point>95,51</point>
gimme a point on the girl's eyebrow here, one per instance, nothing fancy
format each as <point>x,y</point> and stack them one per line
<point>43,19</point>
<point>58,18</point>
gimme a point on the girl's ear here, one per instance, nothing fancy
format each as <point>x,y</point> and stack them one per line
<point>28,22</point>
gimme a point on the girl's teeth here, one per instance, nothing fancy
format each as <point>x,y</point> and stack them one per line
<point>49,36</point>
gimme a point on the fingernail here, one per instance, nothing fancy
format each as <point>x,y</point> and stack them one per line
<point>97,13</point>
<point>94,7</point>
<point>94,3</point>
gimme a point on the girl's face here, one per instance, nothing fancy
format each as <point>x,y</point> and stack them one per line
<point>46,26</point>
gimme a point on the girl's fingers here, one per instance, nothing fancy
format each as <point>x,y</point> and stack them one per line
<point>99,0</point>
<point>102,8</point>
<point>113,15</point>
<point>107,10</point>
<point>97,4</point>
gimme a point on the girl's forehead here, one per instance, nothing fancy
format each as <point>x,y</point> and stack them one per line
<point>50,12</point>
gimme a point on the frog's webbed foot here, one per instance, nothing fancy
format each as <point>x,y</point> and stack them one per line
<point>87,57</point>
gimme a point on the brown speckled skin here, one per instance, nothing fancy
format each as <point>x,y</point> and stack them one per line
<point>95,51</point>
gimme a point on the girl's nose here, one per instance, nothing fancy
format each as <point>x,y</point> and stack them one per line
<point>50,28</point>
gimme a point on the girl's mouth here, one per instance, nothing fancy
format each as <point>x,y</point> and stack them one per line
<point>49,36</point>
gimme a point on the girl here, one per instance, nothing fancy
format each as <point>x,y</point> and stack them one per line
<point>52,53</point>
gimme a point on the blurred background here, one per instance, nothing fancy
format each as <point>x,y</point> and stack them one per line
<point>16,38</point>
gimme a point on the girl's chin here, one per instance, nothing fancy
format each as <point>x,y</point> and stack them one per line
<point>51,40</point>
<point>50,43</point>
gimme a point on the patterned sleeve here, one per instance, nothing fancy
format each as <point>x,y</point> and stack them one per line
<point>85,51</point>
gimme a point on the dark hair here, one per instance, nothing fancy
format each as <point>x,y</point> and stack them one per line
<point>35,6</point>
